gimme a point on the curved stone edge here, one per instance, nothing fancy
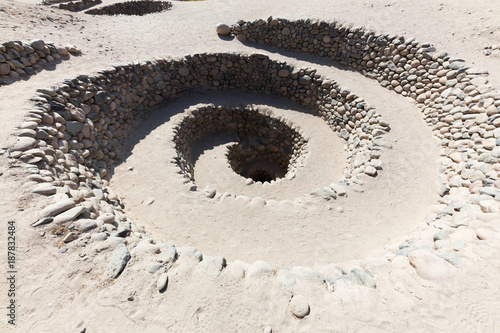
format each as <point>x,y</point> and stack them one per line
<point>74,6</point>
<point>209,118</point>
<point>71,137</point>
<point>19,59</point>
<point>456,101</point>
<point>138,8</point>
<point>358,161</point>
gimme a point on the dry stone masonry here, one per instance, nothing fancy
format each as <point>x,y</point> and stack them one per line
<point>24,59</point>
<point>268,148</point>
<point>463,111</point>
<point>71,137</point>
<point>456,101</point>
<point>75,6</point>
<point>138,8</point>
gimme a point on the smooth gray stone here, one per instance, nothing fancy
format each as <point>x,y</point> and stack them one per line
<point>118,260</point>
<point>86,224</point>
<point>162,282</point>
<point>58,207</point>
<point>154,267</point>
<point>45,189</point>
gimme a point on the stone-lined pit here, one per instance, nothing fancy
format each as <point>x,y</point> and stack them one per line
<point>267,148</point>
<point>77,128</point>
<point>137,8</point>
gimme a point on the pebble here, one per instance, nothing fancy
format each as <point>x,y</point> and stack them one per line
<point>169,254</point>
<point>190,251</point>
<point>118,260</point>
<point>69,215</point>
<point>101,236</point>
<point>428,265</point>
<point>162,282</point>
<point>223,29</point>
<point>42,221</point>
<point>154,267</point>
<point>58,207</point>
<point>24,143</point>
<point>86,225</point>
<point>45,189</point>
<point>259,267</point>
<point>213,266</point>
<point>371,171</point>
<point>71,236</point>
<point>209,192</point>
<point>299,306</point>
<point>339,189</point>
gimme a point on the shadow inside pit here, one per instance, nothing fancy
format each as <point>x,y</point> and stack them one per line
<point>164,112</point>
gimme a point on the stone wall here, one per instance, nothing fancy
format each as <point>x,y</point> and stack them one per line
<point>132,8</point>
<point>462,110</point>
<point>23,59</point>
<point>261,137</point>
<point>72,136</point>
<point>75,6</point>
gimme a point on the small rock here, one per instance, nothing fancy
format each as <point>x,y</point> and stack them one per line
<point>283,73</point>
<point>73,49</point>
<point>258,267</point>
<point>63,249</point>
<point>86,225</point>
<point>37,44</point>
<point>428,265</point>
<point>42,221</point>
<point>339,189</point>
<point>162,282</point>
<point>223,29</point>
<point>213,266</point>
<point>24,143</point>
<point>299,306</point>
<point>154,267</point>
<point>70,237</point>
<point>209,192</point>
<point>107,218</point>
<point>69,215</point>
<point>58,207</point>
<point>118,260</point>
<point>45,189</point>
<point>371,171</point>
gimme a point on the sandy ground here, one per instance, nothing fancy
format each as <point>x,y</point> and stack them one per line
<point>66,292</point>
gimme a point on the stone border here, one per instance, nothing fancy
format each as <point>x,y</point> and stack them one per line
<point>25,59</point>
<point>138,8</point>
<point>274,136</point>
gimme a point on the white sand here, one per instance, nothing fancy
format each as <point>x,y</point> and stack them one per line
<point>63,293</point>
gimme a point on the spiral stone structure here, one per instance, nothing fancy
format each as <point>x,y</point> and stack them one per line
<point>72,138</point>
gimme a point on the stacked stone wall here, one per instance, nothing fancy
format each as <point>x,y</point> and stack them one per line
<point>74,6</point>
<point>272,139</point>
<point>24,59</point>
<point>456,102</point>
<point>73,135</point>
<point>132,8</point>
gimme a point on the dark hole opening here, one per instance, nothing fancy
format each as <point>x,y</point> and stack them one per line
<point>261,175</point>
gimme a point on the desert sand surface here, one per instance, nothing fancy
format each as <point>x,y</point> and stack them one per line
<point>280,255</point>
